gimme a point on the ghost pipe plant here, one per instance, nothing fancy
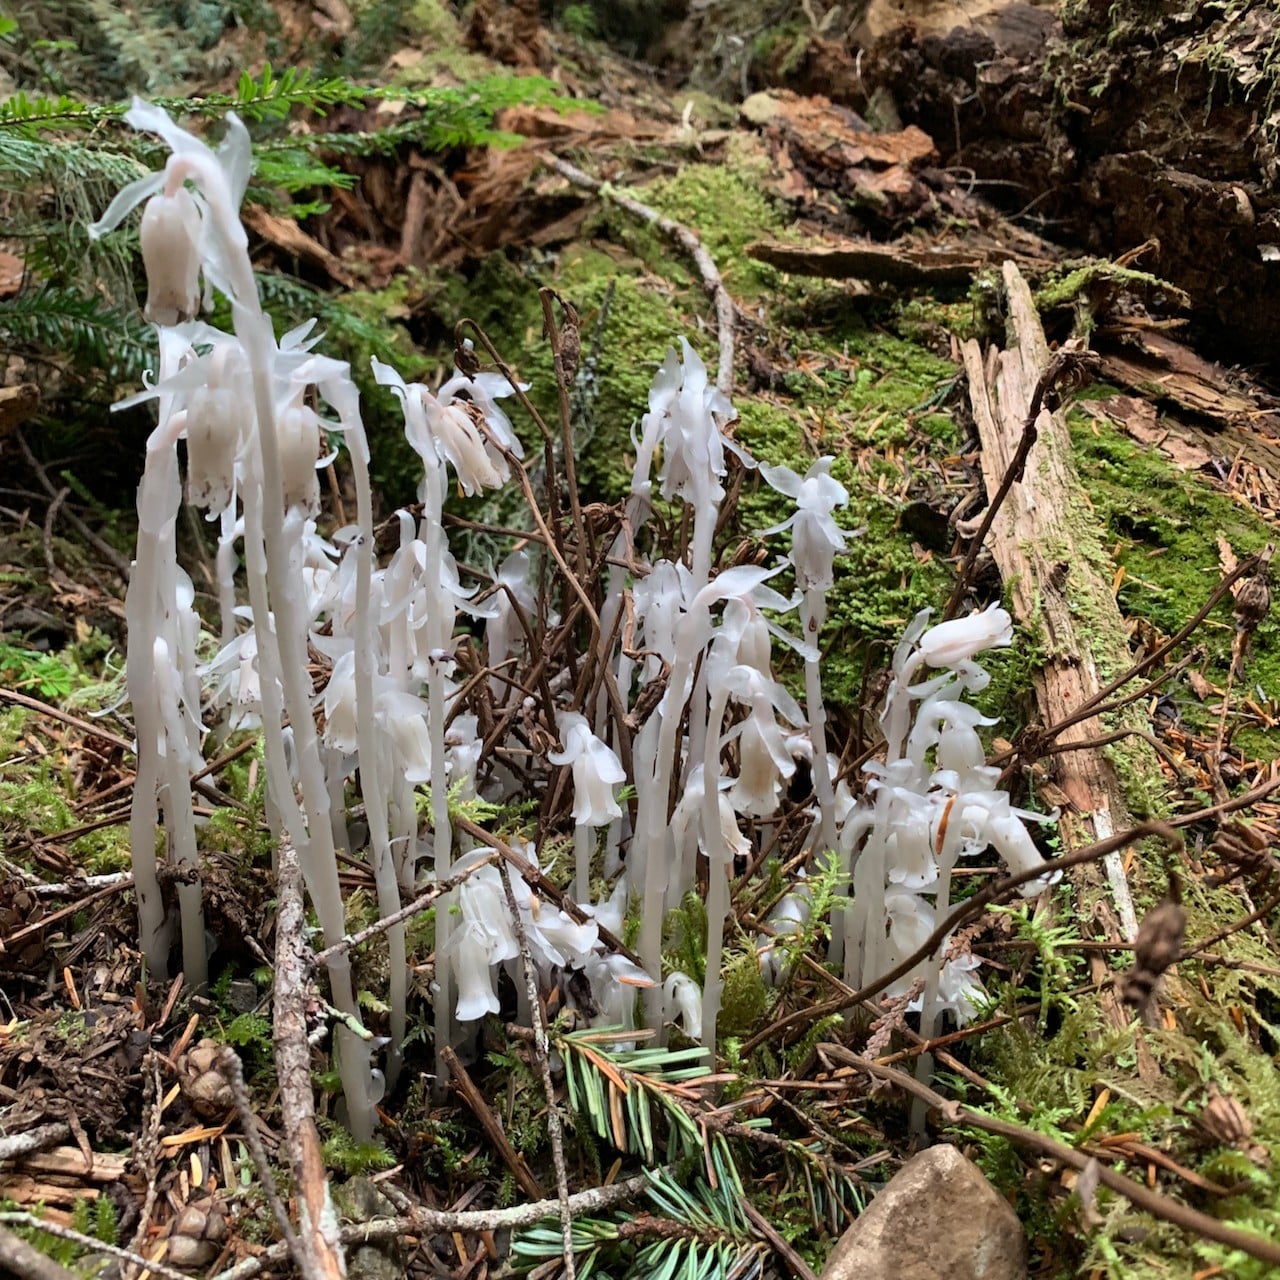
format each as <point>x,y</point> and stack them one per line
<point>815,539</point>
<point>255,439</point>
<point>930,802</point>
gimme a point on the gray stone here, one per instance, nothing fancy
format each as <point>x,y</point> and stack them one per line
<point>938,1218</point>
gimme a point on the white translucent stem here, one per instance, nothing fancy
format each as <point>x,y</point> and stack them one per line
<point>704,528</point>
<point>180,819</point>
<point>441,833</point>
<point>141,607</point>
<point>373,781</point>
<point>225,564</point>
<point>718,858</point>
<point>813,613</point>
<point>656,839</point>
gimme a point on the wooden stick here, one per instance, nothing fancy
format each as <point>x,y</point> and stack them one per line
<point>726,312</point>
<point>318,1221</point>
<point>461,1080</point>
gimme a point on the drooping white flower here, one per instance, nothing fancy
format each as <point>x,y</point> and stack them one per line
<point>446,428</point>
<point>683,1001</point>
<point>785,920</point>
<point>218,182</point>
<point>503,633</point>
<point>596,771</point>
<point>298,433</point>
<point>404,718</point>
<point>170,242</point>
<point>815,536</point>
<point>690,430</point>
<point>764,761</point>
<point>340,723</point>
<point>953,643</point>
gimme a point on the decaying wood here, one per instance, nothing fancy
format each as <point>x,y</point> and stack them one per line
<point>59,1177</point>
<point>1160,368</point>
<point>290,238</point>
<point>1037,542</point>
<point>17,404</point>
<point>904,265</point>
<point>818,142</point>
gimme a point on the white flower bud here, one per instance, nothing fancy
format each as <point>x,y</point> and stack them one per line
<point>596,769</point>
<point>683,1000</point>
<point>951,643</point>
<point>170,237</point>
<point>213,435</point>
<point>299,437</point>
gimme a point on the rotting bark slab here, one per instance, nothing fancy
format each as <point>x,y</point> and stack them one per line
<point>1040,542</point>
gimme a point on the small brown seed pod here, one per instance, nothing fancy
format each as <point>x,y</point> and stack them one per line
<point>202,1081</point>
<point>1157,946</point>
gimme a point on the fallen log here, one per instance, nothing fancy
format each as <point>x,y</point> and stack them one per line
<point>1050,556</point>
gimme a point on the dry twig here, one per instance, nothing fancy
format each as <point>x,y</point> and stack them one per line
<point>319,1244</point>
<point>542,1053</point>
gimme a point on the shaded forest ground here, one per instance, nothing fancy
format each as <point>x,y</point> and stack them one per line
<point>840,351</point>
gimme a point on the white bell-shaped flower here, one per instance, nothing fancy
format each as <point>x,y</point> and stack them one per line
<point>596,771</point>
<point>298,433</point>
<point>951,644</point>
<point>472,973</point>
<point>170,242</point>
<point>815,536</point>
<point>341,730</point>
<point>682,1002</point>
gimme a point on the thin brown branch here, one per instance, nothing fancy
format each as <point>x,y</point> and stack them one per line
<point>420,903</point>
<point>293,1074</point>
<point>460,1079</point>
<point>542,1056</point>
<point>433,1221</point>
<point>25,1261</point>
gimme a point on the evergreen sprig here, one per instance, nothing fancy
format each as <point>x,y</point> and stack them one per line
<point>111,342</point>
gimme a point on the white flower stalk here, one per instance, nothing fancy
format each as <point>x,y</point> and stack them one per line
<point>151,606</point>
<point>214,184</point>
<point>653,773</point>
<point>503,634</point>
<point>596,772</point>
<point>931,802</point>
<point>815,541</point>
<point>447,429</point>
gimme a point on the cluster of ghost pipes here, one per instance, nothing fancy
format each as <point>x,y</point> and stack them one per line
<point>243,402</point>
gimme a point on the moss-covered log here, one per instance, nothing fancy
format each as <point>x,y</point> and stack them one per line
<point>1105,124</point>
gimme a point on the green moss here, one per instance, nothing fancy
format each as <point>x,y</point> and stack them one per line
<point>1165,524</point>
<point>727,205</point>
<point>1086,288</point>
